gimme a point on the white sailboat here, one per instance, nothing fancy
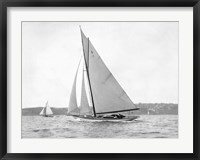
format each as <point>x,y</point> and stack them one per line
<point>46,111</point>
<point>106,94</point>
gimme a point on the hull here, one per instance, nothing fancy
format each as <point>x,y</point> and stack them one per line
<point>127,118</point>
<point>48,116</point>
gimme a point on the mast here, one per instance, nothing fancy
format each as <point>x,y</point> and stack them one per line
<point>90,82</point>
<point>87,71</point>
<point>45,108</point>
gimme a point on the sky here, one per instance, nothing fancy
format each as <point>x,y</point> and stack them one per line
<point>142,56</point>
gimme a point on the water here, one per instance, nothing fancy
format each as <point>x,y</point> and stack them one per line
<point>147,126</point>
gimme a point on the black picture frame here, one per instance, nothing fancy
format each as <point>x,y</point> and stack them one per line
<point>99,3</point>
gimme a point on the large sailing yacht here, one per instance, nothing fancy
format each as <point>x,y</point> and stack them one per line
<point>107,96</point>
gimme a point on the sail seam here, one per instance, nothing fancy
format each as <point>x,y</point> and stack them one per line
<point>110,74</point>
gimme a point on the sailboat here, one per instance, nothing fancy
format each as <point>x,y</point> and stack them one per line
<point>106,95</point>
<point>46,111</point>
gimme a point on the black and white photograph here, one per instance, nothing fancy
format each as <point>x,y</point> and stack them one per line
<point>99,79</point>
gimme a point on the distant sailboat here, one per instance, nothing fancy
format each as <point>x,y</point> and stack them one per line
<point>46,111</point>
<point>106,94</point>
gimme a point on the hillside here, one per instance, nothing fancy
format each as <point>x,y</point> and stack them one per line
<point>36,111</point>
<point>145,108</point>
<point>157,109</point>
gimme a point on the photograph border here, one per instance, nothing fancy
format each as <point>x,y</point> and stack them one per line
<point>89,22</point>
<point>98,3</point>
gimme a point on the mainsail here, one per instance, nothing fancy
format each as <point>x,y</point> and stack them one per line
<point>108,95</point>
<point>73,107</point>
<point>48,110</point>
<point>84,106</point>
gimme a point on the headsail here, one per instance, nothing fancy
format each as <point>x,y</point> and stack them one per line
<point>84,106</point>
<point>108,95</point>
<point>42,112</point>
<point>73,107</point>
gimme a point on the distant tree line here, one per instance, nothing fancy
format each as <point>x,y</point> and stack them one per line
<point>145,109</point>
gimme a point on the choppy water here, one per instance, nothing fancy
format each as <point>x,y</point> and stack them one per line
<point>147,126</point>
